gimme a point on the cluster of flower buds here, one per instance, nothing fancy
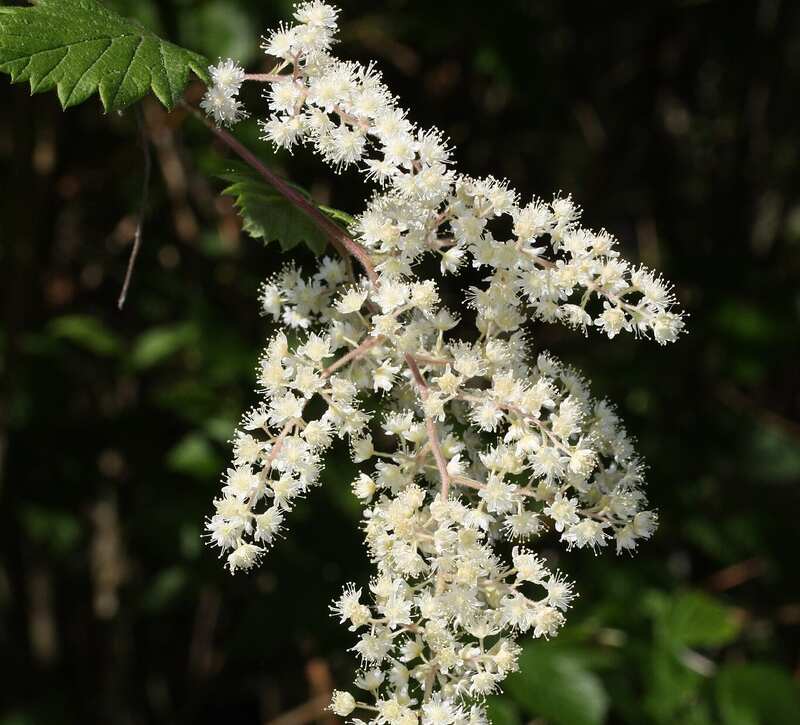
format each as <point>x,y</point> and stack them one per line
<point>471,447</point>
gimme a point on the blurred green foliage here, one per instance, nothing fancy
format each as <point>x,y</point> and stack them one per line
<point>672,122</point>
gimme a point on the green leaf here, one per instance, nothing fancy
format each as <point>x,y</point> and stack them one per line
<point>194,456</point>
<point>160,343</point>
<point>555,684</point>
<point>80,47</point>
<point>87,332</point>
<point>267,215</point>
<point>753,694</point>
<point>671,688</point>
<point>694,619</point>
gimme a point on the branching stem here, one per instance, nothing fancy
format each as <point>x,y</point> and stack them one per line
<point>355,353</point>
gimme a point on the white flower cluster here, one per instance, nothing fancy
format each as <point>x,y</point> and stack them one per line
<point>471,448</point>
<point>221,100</point>
<point>550,267</point>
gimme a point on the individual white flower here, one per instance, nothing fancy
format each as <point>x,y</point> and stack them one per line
<point>383,376</point>
<point>244,556</point>
<point>563,511</point>
<point>342,703</point>
<point>362,449</point>
<point>370,680</point>
<point>584,533</point>
<point>227,75</point>
<point>439,711</point>
<point>498,495</point>
<point>315,348</point>
<point>612,320</point>
<point>352,300</point>
<point>349,607</point>
<point>559,591</point>
<point>547,621</point>
<point>222,106</point>
<point>391,296</point>
<point>529,567</point>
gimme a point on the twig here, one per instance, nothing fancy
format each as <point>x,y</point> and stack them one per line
<point>137,236</point>
<point>343,243</point>
<point>356,352</point>
<point>430,424</point>
<point>266,77</point>
<point>736,574</point>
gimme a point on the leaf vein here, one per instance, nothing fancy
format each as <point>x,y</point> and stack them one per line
<point>88,70</point>
<point>127,70</point>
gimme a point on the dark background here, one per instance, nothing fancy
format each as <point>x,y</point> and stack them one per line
<point>674,124</point>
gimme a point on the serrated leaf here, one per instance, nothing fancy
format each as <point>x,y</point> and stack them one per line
<point>80,47</point>
<point>267,215</point>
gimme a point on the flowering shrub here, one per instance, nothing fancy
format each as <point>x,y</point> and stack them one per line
<point>471,444</point>
<point>486,442</point>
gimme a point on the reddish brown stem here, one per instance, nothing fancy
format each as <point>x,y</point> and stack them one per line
<point>418,379</point>
<point>430,424</point>
<point>341,241</point>
<point>265,77</point>
<point>352,355</point>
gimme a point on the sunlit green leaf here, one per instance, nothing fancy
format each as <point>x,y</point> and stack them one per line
<point>80,47</point>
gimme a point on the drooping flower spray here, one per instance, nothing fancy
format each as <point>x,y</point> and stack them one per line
<point>491,443</point>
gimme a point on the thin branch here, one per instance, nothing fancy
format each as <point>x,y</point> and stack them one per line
<point>416,374</point>
<point>343,243</point>
<point>356,352</point>
<point>276,448</point>
<point>438,456</point>
<point>430,424</point>
<point>137,236</point>
<point>736,574</point>
<point>429,360</point>
<point>266,77</point>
